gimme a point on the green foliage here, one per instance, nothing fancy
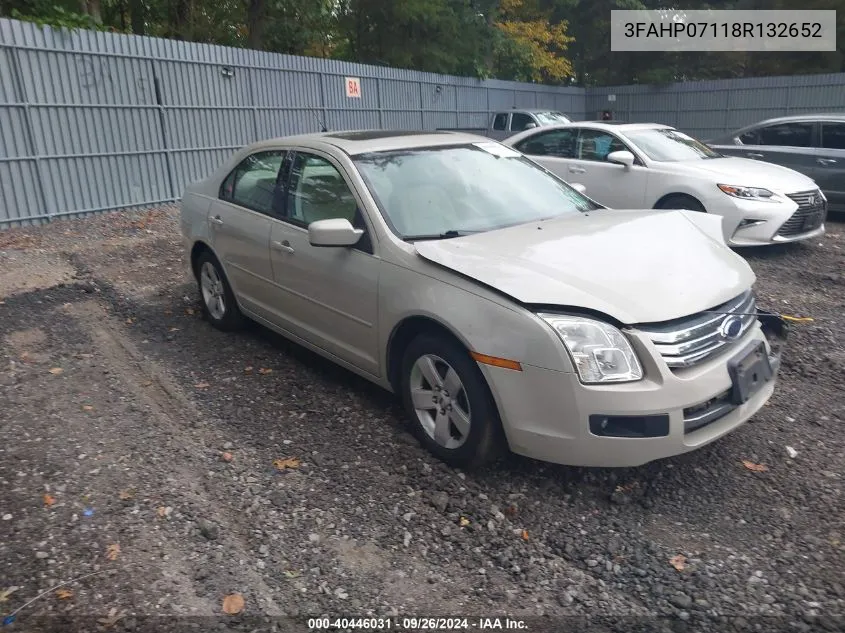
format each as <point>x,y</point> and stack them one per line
<point>554,41</point>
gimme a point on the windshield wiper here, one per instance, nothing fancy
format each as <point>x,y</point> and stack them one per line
<point>438,236</point>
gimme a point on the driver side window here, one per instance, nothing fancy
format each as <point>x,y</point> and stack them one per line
<point>595,145</point>
<point>317,191</point>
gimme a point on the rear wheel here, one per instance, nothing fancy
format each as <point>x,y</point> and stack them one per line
<point>681,201</point>
<point>450,406</point>
<point>218,300</point>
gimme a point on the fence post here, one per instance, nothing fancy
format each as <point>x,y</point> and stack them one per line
<point>163,123</point>
<point>30,130</point>
<point>378,97</point>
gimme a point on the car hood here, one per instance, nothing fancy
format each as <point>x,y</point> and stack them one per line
<point>746,172</point>
<point>635,266</point>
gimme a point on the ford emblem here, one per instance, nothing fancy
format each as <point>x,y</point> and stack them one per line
<point>731,328</point>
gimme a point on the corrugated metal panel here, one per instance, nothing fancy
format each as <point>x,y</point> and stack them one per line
<point>92,121</point>
<point>20,197</point>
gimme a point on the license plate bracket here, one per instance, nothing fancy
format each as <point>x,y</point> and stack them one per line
<point>749,370</point>
<point>812,221</point>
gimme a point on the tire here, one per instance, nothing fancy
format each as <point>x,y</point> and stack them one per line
<point>218,300</point>
<point>681,201</point>
<point>481,439</point>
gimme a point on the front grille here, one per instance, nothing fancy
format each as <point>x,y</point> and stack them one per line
<point>691,340</point>
<point>700,415</point>
<point>808,217</point>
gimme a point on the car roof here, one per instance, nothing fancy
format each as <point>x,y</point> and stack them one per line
<point>355,142</point>
<point>620,126</point>
<point>816,116</point>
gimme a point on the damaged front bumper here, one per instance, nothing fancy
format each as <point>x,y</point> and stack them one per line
<point>776,330</point>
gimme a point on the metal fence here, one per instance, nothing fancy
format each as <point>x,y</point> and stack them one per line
<point>707,108</point>
<point>94,121</point>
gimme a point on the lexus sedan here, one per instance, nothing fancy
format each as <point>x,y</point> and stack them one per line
<point>656,166</point>
<point>505,308</point>
<point>813,144</point>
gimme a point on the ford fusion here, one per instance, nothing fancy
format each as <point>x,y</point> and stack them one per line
<point>505,308</point>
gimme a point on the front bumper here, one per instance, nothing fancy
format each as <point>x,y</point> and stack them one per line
<point>754,223</point>
<point>547,414</point>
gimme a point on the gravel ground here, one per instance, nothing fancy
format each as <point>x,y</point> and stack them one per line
<point>142,446</point>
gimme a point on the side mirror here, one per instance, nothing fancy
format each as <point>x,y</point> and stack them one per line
<point>530,126</point>
<point>577,186</point>
<point>622,158</point>
<point>333,232</point>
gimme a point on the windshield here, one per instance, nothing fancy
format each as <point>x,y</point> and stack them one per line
<point>670,146</point>
<point>551,118</point>
<point>454,190</point>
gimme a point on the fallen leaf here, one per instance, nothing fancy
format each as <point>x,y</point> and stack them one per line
<point>678,561</point>
<point>130,321</point>
<point>524,535</point>
<point>286,462</point>
<point>111,619</point>
<point>164,511</point>
<point>189,311</point>
<point>510,511</point>
<point>8,591</point>
<point>292,573</point>
<point>202,385</point>
<point>265,371</point>
<point>226,457</point>
<point>233,604</point>
<point>147,384</point>
<point>125,495</point>
<point>173,329</point>
<point>247,370</point>
<point>64,594</point>
<point>464,522</point>
<point>87,407</point>
<point>56,371</point>
<point>757,468</point>
<point>49,500</point>
<point>112,551</point>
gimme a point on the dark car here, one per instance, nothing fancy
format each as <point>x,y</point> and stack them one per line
<point>813,144</point>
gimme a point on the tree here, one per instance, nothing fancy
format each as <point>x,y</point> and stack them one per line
<point>535,43</point>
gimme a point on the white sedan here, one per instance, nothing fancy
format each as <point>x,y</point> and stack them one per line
<point>624,165</point>
<point>505,308</point>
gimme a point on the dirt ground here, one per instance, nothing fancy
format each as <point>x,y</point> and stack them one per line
<point>161,466</point>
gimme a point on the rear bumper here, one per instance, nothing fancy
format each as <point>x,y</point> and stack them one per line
<point>547,414</point>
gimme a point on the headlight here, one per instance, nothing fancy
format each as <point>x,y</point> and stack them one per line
<point>750,193</point>
<point>601,352</point>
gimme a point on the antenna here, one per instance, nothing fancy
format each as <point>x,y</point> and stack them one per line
<point>322,125</point>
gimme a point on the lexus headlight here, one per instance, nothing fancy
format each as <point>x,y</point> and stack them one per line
<point>750,193</point>
<point>601,352</point>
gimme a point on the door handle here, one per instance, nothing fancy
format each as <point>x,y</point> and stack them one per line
<point>577,170</point>
<point>217,220</point>
<point>826,161</point>
<point>754,155</point>
<point>283,246</point>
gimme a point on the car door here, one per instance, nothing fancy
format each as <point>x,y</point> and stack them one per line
<point>499,127</point>
<point>554,150</point>
<point>830,161</point>
<point>239,222</point>
<point>610,184</point>
<point>325,295</point>
<point>789,144</point>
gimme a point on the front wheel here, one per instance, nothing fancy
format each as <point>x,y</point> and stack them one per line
<point>681,201</point>
<point>450,406</point>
